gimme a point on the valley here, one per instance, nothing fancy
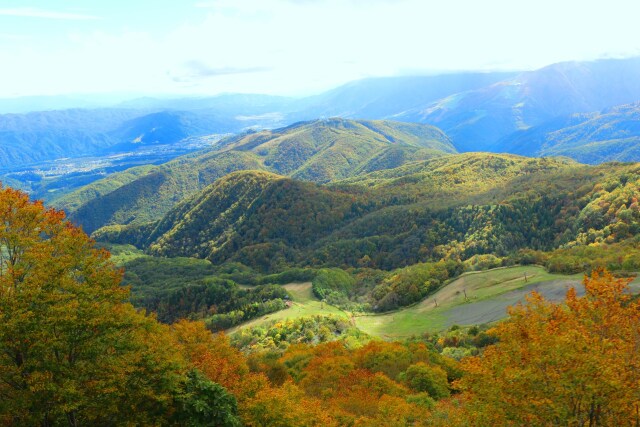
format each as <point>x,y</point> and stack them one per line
<point>52,179</point>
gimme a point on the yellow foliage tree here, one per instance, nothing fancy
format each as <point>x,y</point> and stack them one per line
<point>71,350</point>
<point>576,363</point>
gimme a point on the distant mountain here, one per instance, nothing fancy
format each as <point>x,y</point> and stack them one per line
<point>318,151</point>
<point>44,136</point>
<point>611,135</point>
<point>388,97</point>
<point>475,109</point>
<point>33,137</point>
<point>235,104</point>
<point>477,119</point>
<point>166,127</point>
<point>27,104</point>
<point>479,112</point>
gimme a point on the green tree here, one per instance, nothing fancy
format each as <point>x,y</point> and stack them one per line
<point>430,379</point>
<point>202,402</point>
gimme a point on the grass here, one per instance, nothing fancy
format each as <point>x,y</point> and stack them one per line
<point>473,298</point>
<point>121,254</point>
<point>488,294</point>
<point>304,304</point>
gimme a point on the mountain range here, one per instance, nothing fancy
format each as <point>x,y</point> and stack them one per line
<point>477,119</point>
<point>479,111</point>
<point>338,192</point>
<point>582,111</point>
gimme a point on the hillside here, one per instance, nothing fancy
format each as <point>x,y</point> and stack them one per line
<point>548,203</point>
<point>454,207</point>
<point>318,151</point>
<point>123,198</point>
<point>477,119</point>
<point>448,180</point>
<point>326,150</point>
<point>610,135</point>
<point>263,219</point>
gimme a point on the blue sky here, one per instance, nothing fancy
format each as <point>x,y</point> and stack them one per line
<point>290,47</point>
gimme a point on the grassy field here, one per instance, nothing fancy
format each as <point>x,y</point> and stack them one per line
<point>488,294</point>
<point>473,298</point>
<point>304,304</point>
<point>480,287</point>
<point>121,254</point>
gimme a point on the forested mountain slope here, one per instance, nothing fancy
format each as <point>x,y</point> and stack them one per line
<point>454,207</point>
<point>318,151</point>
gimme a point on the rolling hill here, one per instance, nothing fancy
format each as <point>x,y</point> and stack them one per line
<point>331,149</point>
<point>454,207</point>
<point>132,198</point>
<point>318,151</point>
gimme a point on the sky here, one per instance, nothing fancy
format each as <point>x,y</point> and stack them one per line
<point>290,47</point>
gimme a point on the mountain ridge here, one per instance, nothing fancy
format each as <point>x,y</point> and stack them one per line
<point>478,118</point>
<point>316,151</point>
<point>286,222</point>
<point>610,135</point>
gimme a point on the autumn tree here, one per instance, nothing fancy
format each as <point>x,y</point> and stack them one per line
<point>574,363</point>
<point>285,406</point>
<point>72,350</point>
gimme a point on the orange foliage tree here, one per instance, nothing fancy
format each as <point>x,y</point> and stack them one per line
<point>576,363</point>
